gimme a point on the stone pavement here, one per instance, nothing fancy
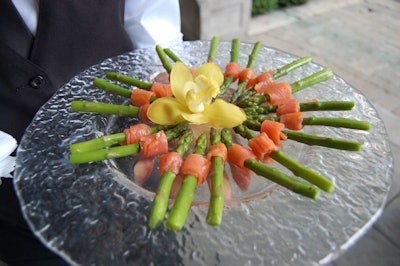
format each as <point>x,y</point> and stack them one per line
<point>358,40</point>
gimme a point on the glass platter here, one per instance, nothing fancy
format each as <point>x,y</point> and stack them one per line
<point>95,214</point>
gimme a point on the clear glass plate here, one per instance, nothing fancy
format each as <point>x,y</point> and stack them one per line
<point>95,214</point>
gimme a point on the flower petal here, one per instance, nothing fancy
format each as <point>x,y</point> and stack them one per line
<point>193,102</point>
<point>196,119</point>
<point>210,70</point>
<point>180,76</point>
<point>166,111</point>
<point>223,114</point>
<point>209,88</point>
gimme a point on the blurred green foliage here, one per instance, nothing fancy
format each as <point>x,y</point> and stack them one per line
<point>265,6</point>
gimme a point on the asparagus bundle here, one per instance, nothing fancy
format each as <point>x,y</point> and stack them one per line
<point>193,170</point>
<point>168,174</point>
<point>256,100</point>
<point>103,148</point>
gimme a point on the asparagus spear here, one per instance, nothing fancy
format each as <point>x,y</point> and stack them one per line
<point>110,87</point>
<point>185,197</point>
<point>213,49</point>
<point>172,55</point>
<point>253,55</point>
<point>94,155</point>
<point>105,108</point>
<point>257,110</point>
<point>310,139</point>
<point>334,143</point>
<point>275,175</point>
<point>337,122</point>
<point>226,137</point>
<point>280,72</point>
<point>284,70</point>
<point>124,79</point>
<point>106,141</point>
<point>296,168</point>
<point>234,58</point>
<point>282,179</point>
<point>115,89</point>
<point>250,64</point>
<point>302,171</point>
<point>326,106</point>
<point>248,99</point>
<point>160,202</point>
<point>164,59</point>
<point>216,206</point>
<point>255,122</point>
<point>103,154</point>
<point>311,80</point>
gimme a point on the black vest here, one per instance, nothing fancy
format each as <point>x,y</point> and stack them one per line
<point>71,36</point>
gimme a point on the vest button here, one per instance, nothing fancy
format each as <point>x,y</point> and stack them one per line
<point>36,82</point>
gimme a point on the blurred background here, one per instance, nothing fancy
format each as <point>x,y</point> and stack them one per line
<point>358,40</point>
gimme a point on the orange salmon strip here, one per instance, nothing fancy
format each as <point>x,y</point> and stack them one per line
<point>219,150</point>
<point>262,146</point>
<point>170,162</point>
<point>140,97</point>
<point>154,144</point>
<point>232,69</point>
<point>196,165</point>
<point>274,131</point>
<point>293,121</point>
<point>278,92</point>
<point>288,106</point>
<point>161,89</point>
<point>246,75</point>
<point>135,132</point>
<point>237,154</point>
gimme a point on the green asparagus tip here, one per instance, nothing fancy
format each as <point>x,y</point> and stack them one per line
<point>275,175</point>
<point>154,223</point>
<point>112,75</point>
<point>173,226</point>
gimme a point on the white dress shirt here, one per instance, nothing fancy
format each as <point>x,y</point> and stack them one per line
<point>148,22</point>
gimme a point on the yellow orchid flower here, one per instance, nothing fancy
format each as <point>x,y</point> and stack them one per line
<point>193,99</point>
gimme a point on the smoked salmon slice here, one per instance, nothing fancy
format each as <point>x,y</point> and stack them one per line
<point>170,162</point>
<point>143,112</point>
<point>241,176</point>
<point>140,97</point>
<point>274,131</point>
<point>263,77</point>
<point>161,89</point>
<point>219,150</point>
<point>246,75</point>
<point>135,132</point>
<point>153,144</point>
<point>293,121</point>
<point>196,165</point>
<point>289,106</point>
<point>278,92</point>
<point>232,69</point>
<point>142,169</point>
<point>262,146</point>
<point>237,154</point>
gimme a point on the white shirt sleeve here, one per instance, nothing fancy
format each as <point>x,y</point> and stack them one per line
<point>7,163</point>
<point>151,22</point>
<point>29,11</point>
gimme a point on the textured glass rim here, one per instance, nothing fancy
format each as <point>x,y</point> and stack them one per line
<point>190,50</point>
